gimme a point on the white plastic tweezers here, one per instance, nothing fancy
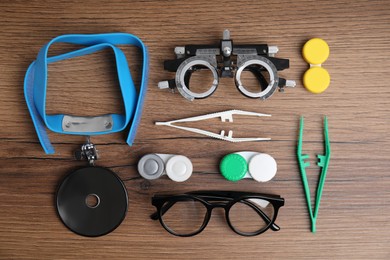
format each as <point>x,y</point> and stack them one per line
<point>226,116</point>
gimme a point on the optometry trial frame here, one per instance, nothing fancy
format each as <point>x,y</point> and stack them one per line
<point>227,60</point>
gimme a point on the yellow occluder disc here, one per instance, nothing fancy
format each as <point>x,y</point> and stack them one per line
<point>315,51</point>
<point>316,80</point>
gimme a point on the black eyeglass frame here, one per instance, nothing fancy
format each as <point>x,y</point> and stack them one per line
<point>205,197</point>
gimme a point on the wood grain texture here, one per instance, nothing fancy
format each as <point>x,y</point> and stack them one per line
<point>354,217</point>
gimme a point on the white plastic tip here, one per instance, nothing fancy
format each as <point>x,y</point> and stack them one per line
<point>161,123</point>
<point>179,50</point>
<point>290,83</point>
<point>226,35</point>
<point>272,50</point>
<point>163,85</point>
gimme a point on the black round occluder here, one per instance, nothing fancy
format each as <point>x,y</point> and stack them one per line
<point>89,221</point>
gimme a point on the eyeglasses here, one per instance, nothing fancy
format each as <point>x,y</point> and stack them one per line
<point>247,213</point>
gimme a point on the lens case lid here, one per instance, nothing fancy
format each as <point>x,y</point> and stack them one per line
<point>315,51</point>
<point>233,167</point>
<point>179,168</point>
<point>316,80</point>
<point>151,166</point>
<point>262,167</point>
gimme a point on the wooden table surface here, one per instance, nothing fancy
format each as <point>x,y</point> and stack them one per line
<point>353,220</point>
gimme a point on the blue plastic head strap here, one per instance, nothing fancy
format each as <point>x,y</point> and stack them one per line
<point>35,84</point>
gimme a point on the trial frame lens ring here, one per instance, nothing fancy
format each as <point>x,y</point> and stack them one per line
<point>184,67</point>
<point>273,78</point>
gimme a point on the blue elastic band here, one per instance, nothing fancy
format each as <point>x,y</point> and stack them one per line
<point>35,84</point>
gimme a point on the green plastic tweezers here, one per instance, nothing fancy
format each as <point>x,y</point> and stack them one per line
<point>323,162</point>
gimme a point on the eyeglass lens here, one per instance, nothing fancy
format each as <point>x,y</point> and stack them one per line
<point>184,217</point>
<point>251,215</point>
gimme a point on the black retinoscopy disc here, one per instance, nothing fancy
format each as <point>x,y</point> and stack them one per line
<point>92,201</point>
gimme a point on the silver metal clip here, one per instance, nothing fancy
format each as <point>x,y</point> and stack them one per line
<point>87,151</point>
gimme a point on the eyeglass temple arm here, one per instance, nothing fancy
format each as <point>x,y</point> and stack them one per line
<point>273,227</point>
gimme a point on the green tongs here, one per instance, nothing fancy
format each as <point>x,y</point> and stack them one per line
<point>323,162</point>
